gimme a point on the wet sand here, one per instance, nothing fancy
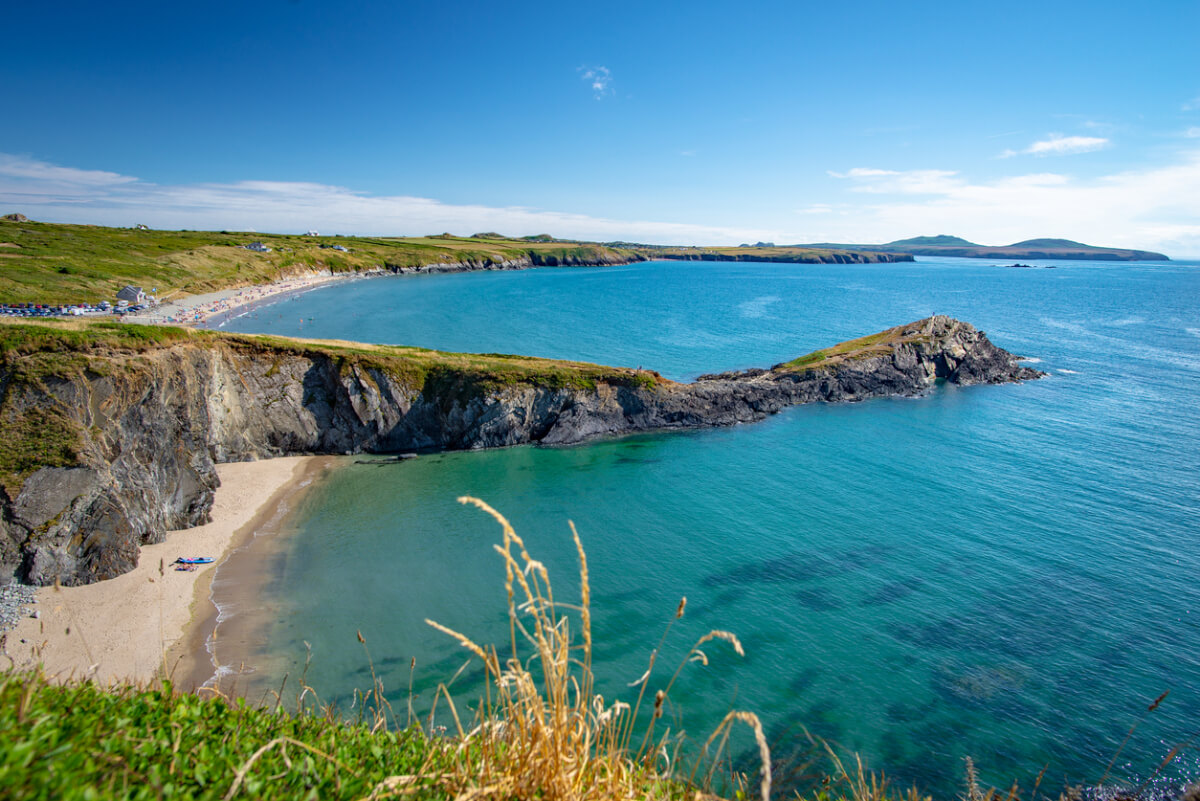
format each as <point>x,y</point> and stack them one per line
<point>124,629</point>
<point>227,639</point>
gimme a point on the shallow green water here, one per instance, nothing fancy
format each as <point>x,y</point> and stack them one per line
<point>1003,572</point>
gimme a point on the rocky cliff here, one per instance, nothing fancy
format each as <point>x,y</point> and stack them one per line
<point>782,256</point>
<point>112,432</point>
<point>586,257</point>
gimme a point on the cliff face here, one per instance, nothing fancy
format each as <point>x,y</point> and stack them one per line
<point>139,431</point>
<point>812,257</point>
<point>597,257</point>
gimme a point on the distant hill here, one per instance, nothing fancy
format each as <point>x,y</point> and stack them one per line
<point>944,245</point>
<point>939,240</point>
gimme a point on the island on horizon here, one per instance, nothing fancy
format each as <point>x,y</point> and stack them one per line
<point>1045,248</point>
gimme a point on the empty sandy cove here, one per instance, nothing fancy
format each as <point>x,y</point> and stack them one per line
<point>122,629</point>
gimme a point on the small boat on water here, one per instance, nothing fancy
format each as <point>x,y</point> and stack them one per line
<point>198,560</point>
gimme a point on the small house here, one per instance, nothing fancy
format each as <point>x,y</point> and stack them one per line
<point>258,247</point>
<point>312,233</point>
<point>132,294</point>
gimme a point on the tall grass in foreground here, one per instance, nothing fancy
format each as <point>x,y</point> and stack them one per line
<point>542,729</point>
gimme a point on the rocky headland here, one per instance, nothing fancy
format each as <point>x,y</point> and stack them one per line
<point>112,432</point>
<point>779,255</point>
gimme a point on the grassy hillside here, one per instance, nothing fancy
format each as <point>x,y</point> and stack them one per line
<point>57,263</point>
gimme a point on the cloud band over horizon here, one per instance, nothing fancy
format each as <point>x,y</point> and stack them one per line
<point>1154,209</point>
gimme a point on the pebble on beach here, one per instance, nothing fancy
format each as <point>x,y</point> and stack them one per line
<point>15,602</point>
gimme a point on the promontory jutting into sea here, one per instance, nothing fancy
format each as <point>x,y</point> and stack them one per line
<point>945,503</point>
<point>913,579</point>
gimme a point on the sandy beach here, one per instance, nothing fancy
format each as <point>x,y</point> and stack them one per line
<point>208,308</point>
<point>122,629</point>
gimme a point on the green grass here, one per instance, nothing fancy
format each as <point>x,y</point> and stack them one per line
<point>82,742</point>
<point>862,348</point>
<point>56,263</point>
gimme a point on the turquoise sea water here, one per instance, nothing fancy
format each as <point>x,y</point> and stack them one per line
<point>1006,572</point>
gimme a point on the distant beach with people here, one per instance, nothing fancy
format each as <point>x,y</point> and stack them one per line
<point>212,308</point>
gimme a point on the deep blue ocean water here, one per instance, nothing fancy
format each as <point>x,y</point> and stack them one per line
<point>1006,572</point>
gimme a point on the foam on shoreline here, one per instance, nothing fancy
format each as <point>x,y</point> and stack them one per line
<point>129,628</point>
<point>228,629</point>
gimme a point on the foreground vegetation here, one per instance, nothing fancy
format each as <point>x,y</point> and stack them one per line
<point>540,732</point>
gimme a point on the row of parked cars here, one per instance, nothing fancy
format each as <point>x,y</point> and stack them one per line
<point>72,310</point>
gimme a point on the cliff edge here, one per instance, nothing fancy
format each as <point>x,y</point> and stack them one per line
<point>112,431</point>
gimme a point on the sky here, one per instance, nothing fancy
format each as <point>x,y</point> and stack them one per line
<point>677,123</point>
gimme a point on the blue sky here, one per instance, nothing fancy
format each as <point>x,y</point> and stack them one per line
<point>697,122</point>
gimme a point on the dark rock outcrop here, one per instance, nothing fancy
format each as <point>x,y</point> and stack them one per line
<point>600,257</point>
<point>152,423</point>
<point>806,257</point>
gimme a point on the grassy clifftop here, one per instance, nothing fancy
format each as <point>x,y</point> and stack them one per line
<point>787,254</point>
<point>52,342</point>
<point>35,353</point>
<point>862,348</point>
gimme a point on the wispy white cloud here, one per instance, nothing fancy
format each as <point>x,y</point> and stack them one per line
<point>64,194</point>
<point>599,79</point>
<point>1066,145</point>
<point>1192,133</point>
<point>1059,145</point>
<point>52,178</point>
<point>1193,104</point>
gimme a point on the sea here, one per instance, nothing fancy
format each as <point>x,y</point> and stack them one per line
<point>1008,573</point>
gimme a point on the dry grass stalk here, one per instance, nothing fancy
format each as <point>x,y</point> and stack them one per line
<point>543,730</point>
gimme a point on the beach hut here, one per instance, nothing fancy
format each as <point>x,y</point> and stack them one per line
<point>132,294</point>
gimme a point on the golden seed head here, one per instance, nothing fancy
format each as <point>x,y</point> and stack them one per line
<point>682,605</point>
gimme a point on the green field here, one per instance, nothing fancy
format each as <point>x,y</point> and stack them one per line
<point>54,263</point>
